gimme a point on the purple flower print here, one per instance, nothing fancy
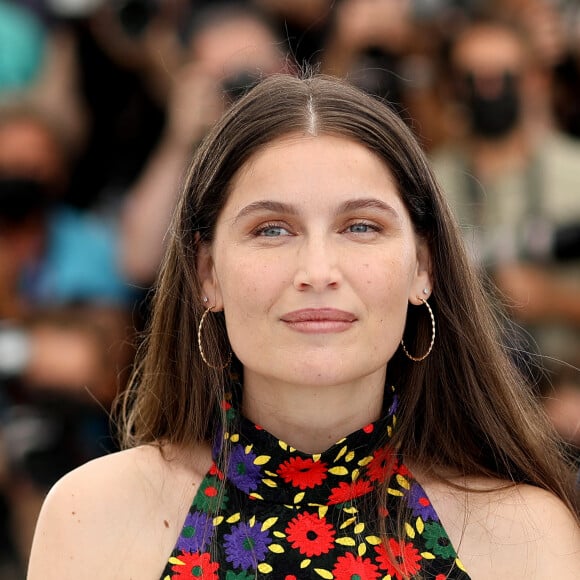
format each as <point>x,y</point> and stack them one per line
<point>196,533</point>
<point>420,504</point>
<point>246,546</point>
<point>394,406</point>
<point>242,471</point>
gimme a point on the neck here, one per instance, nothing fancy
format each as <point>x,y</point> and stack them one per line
<point>312,418</point>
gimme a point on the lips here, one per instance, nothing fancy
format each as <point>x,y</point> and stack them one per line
<point>317,320</point>
<point>319,315</point>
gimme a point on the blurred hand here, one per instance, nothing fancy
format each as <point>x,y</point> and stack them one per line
<point>196,102</point>
<point>534,293</point>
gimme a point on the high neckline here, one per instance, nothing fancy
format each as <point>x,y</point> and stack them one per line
<point>268,469</point>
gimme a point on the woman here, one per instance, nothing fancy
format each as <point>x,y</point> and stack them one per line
<point>319,345</point>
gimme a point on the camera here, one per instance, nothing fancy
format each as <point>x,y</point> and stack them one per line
<point>21,198</point>
<point>566,242</point>
<point>238,84</point>
<point>135,15</point>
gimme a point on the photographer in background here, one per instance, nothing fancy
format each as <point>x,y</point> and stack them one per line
<point>229,47</point>
<point>513,181</point>
<point>63,319</point>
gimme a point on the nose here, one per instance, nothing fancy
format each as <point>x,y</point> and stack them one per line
<point>318,265</point>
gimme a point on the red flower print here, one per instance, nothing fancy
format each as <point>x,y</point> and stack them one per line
<point>383,465</point>
<point>404,471</point>
<point>196,566</point>
<point>310,535</point>
<point>349,491</point>
<point>406,559</point>
<point>302,473</point>
<point>214,470</point>
<point>348,567</point>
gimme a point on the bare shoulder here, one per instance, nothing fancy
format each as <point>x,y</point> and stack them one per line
<point>502,530</point>
<point>118,515</point>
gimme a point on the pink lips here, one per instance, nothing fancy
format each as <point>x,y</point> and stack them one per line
<point>319,320</point>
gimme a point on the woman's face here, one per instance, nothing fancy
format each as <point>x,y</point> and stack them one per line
<point>314,262</point>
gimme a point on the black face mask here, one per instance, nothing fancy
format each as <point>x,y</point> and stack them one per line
<point>493,117</point>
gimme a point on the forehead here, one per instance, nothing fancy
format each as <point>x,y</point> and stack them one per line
<point>313,170</point>
<point>236,44</point>
<point>487,49</point>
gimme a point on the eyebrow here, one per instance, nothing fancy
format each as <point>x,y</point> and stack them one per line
<point>266,205</point>
<point>289,209</point>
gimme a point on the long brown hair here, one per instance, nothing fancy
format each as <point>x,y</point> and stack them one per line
<point>465,407</point>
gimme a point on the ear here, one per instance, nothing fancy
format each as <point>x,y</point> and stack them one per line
<point>207,276</point>
<point>422,284</point>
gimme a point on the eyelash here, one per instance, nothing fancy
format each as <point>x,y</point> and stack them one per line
<point>373,227</point>
<point>260,231</point>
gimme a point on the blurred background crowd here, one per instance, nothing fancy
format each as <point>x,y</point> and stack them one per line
<point>102,103</point>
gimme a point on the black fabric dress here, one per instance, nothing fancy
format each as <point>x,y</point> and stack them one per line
<point>281,514</point>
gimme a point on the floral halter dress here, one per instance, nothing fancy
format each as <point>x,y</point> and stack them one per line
<point>281,514</point>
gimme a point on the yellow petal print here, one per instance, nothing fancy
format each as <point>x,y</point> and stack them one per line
<point>338,470</point>
<point>409,529</point>
<point>395,492</point>
<point>265,568</point>
<point>359,528</point>
<point>322,511</point>
<point>362,549</point>
<point>270,473</point>
<point>299,497</point>
<point>262,459</point>
<point>269,483</point>
<point>279,534</point>
<point>316,457</point>
<point>459,564</point>
<point>347,523</point>
<point>176,561</point>
<point>305,563</point>
<point>234,518</point>
<point>247,448</point>
<point>340,453</point>
<point>167,578</point>
<point>252,521</point>
<point>403,482</point>
<point>276,548</point>
<point>373,540</point>
<point>283,445</point>
<point>345,541</point>
<point>420,525</point>
<point>218,520</point>
<point>269,523</point>
<point>365,460</point>
<point>427,556</point>
<point>255,495</point>
<point>324,573</point>
<point>350,510</point>
<point>355,473</point>
<point>235,438</point>
<point>349,456</point>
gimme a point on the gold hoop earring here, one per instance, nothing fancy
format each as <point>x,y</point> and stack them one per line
<point>420,358</point>
<point>201,350</point>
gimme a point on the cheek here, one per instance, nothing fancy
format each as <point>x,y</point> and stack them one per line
<point>249,287</point>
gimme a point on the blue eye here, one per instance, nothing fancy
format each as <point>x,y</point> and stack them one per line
<point>272,231</point>
<point>361,228</point>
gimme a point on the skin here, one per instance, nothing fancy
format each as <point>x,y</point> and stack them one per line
<point>333,235</point>
<point>119,516</point>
